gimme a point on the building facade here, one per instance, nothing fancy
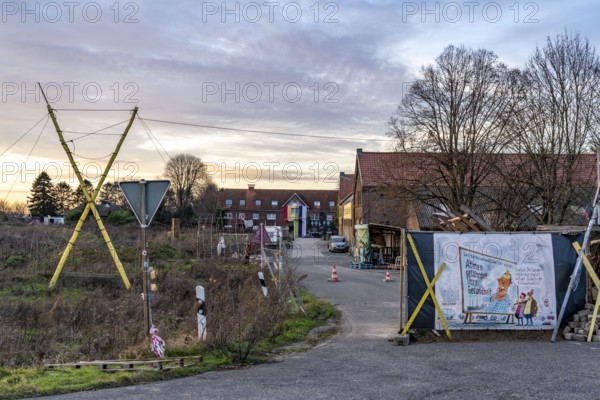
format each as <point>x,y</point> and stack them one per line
<point>302,212</point>
<point>394,189</point>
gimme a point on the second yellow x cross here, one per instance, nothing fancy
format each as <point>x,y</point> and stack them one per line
<point>428,292</point>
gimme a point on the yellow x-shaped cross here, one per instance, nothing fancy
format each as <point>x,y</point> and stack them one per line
<point>90,199</point>
<point>428,292</point>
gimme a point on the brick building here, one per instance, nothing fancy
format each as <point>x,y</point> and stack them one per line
<point>302,211</point>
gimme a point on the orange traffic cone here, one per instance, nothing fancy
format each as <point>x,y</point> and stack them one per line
<point>334,277</point>
<point>388,278</point>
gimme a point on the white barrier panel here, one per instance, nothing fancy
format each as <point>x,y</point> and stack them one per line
<point>495,281</point>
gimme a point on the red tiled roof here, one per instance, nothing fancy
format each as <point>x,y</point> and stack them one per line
<point>346,185</point>
<point>266,196</point>
<point>377,168</point>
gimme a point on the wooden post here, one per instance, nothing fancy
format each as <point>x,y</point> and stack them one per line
<point>175,228</point>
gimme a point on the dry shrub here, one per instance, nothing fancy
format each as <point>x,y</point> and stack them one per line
<point>91,317</point>
<point>239,316</point>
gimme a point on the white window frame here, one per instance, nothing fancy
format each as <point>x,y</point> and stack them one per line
<point>271,217</point>
<point>242,215</point>
<point>256,216</point>
<point>228,202</point>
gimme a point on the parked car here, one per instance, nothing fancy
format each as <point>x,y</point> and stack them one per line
<point>338,243</point>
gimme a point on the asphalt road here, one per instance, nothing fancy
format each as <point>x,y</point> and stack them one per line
<point>360,363</point>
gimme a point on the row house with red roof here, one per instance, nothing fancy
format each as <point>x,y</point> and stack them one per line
<point>302,212</point>
<point>345,203</point>
<point>380,193</point>
<point>393,190</point>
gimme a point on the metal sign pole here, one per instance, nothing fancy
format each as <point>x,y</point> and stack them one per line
<point>575,276</point>
<point>262,249</point>
<point>147,314</point>
<point>576,273</point>
<point>144,198</point>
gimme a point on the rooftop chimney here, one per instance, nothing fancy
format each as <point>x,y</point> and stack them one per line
<point>359,152</point>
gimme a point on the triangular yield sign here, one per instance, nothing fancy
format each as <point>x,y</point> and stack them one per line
<point>261,231</point>
<point>154,194</point>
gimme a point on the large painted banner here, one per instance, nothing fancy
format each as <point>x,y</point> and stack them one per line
<point>495,281</point>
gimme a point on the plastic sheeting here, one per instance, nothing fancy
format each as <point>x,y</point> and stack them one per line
<point>564,260</point>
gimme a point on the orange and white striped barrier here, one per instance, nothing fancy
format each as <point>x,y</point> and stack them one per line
<point>388,278</point>
<point>334,276</point>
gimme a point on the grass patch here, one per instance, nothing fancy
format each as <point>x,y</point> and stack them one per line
<point>32,382</point>
<point>297,327</point>
<point>28,382</point>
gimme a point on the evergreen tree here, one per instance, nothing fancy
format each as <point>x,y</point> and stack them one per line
<point>79,196</point>
<point>112,193</point>
<point>64,197</point>
<point>41,201</point>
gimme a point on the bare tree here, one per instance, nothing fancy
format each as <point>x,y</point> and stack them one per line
<point>556,125</point>
<point>208,199</point>
<point>20,207</point>
<point>5,206</point>
<point>456,114</point>
<point>187,174</point>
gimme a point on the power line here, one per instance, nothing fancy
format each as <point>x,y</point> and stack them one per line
<point>152,139</point>
<point>264,132</point>
<point>91,158</point>
<point>86,134</point>
<point>90,109</point>
<point>23,135</point>
<point>29,155</point>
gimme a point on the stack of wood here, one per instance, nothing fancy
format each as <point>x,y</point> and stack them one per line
<point>464,221</point>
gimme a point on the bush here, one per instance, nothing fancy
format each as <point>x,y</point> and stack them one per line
<point>163,252</point>
<point>120,217</point>
<point>15,261</point>
<point>73,215</point>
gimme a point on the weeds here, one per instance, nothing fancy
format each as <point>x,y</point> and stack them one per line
<point>91,316</point>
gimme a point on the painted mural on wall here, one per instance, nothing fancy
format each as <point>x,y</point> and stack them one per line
<point>504,281</point>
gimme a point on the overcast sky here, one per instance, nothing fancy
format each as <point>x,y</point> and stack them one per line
<point>334,69</point>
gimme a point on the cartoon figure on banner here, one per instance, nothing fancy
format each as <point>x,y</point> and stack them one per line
<point>157,344</point>
<point>530,310</point>
<point>500,302</point>
<point>520,307</point>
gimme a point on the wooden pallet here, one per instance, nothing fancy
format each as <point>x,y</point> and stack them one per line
<point>163,364</point>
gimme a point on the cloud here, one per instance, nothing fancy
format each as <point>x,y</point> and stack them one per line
<point>337,69</point>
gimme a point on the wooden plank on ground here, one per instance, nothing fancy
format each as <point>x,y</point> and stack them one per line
<point>132,365</point>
